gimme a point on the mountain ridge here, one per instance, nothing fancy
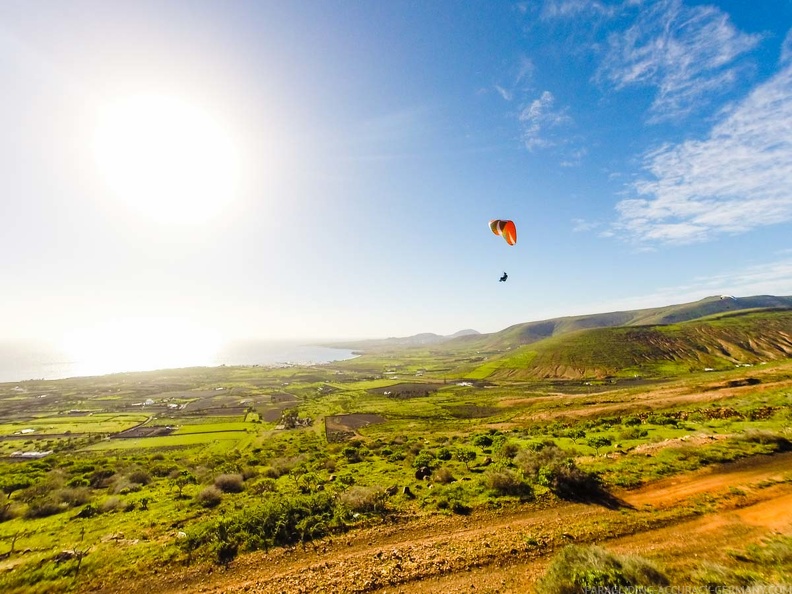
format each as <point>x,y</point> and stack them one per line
<point>525,333</point>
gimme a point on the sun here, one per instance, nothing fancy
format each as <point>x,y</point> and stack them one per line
<point>166,159</point>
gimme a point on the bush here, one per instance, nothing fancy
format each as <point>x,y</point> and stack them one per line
<point>763,437</point>
<point>209,497</point>
<point>531,461</point>
<point>715,577</point>
<point>425,458</point>
<point>43,509</point>
<point>230,483</point>
<point>508,450</point>
<point>163,470</point>
<point>444,454</point>
<point>101,478</point>
<point>553,468</point>
<point>443,475</point>
<point>506,482</point>
<point>265,485</point>
<point>363,500</point>
<point>587,568</point>
<point>632,433</point>
<point>660,419</point>
<point>141,477</point>
<point>351,454</point>
<point>124,486</point>
<point>483,441</point>
<point>73,497</point>
<point>274,521</point>
<point>110,504</point>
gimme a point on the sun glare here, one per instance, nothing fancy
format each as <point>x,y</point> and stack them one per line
<point>139,344</point>
<point>166,159</point>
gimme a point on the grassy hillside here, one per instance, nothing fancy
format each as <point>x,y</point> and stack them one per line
<point>717,342</point>
<point>470,341</point>
<point>530,332</point>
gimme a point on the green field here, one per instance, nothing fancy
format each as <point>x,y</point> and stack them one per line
<point>517,439</point>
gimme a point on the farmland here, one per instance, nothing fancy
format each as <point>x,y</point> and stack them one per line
<point>115,482</point>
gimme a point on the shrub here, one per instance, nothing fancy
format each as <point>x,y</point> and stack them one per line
<point>78,481</point>
<point>351,454</point>
<point>265,485</point>
<point>270,472</point>
<point>660,419</point>
<point>466,456</point>
<point>163,470</point>
<point>598,442</point>
<point>73,497</point>
<point>43,508</point>
<point>209,497</point>
<point>443,475</point>
<point>506,482</point>
<point>230,483</point>
<point>587,568</point>
<point>346,479</point>
<point>110,504</point>
<point>715,577</point>
<point>274,521</point>
<point>281,466</point>
<point>483,441</point>
<point>444,454</point>
<point>763,437</point>
<point>101,478</point>
<point>8,512</point>
<point>553,468</point>
<point>570,482</point>
<point>531,461</point>
<point>632,433</point>
<point>363,500</point>
<point>123,486</point>
<point>141,477</point>
<point>425,458</point>
<point>508,450</point>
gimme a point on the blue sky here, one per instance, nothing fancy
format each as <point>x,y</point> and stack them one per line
<point>328,169</point>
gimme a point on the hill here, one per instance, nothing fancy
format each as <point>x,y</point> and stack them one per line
<point>416,340</point>
<point>721,341</point>
<point>530,332</point>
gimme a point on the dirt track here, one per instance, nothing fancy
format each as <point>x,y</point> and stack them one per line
<point>507,550</point>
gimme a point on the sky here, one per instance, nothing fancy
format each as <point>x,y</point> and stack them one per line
<point>322,170</point>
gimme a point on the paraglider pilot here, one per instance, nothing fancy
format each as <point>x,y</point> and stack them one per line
<point>503,278</point>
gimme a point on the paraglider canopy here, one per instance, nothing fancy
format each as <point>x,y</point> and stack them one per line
<point>505,229</point>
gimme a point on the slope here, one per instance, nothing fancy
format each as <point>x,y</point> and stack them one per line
<point>716,342</point>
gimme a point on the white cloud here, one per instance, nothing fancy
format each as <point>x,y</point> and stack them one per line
<point>540,122</point>
<point>564,9</point>
<point>507,95</point>
<point>520,79</point>
<point>772,278</point>
<point>786,49</point>
<point>769,278</point>
<point>582,225</point>
<point>735,180</point>
<point>687,53</point>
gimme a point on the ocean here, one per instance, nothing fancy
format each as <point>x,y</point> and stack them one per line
<point>25,361</point>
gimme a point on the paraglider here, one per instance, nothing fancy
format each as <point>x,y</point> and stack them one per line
<point>507,230</point>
